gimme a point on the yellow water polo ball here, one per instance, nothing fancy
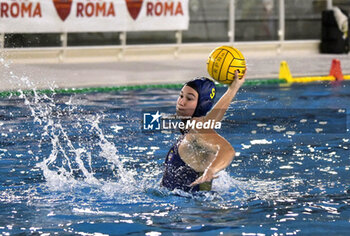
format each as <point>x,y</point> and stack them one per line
<point>223,62</point>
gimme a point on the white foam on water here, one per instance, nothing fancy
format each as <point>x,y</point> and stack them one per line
<point>116,128</point>
<point>245,146</point>
<point>318,130</point>
<point>291,133</point>
<point>225,183</point>
<point>260,141</point>
<point>278,128</point>
<point>242,189</point>
<point>287,167</point>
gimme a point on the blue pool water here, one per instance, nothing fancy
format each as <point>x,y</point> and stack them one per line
<point>81,164</point>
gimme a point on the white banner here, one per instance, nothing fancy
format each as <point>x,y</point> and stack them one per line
<point>35,16</point>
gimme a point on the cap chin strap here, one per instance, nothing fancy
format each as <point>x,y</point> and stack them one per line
<point>184,131</point>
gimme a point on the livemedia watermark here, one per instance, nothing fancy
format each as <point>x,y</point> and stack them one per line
<point>153,121</point>
<point>254,121</point>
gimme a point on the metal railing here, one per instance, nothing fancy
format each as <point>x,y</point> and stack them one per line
<point>178,35</point>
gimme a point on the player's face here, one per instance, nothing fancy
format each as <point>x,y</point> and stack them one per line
<point>187,101</point>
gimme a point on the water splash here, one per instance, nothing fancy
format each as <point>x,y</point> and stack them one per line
<point>109,152</point>
<point>69,164</point>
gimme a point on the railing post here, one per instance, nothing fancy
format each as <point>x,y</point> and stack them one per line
<point>178,36</point>
<point>122,38</point>
<point>231,23</point>
<point>2,41</point>
<point>329,4</point>
<point>281,25</point>
<point>64,39</point>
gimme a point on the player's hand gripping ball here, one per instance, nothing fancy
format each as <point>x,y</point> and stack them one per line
<point>223,62</point>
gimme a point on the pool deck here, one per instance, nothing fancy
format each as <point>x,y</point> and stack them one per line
<point>153,69</point>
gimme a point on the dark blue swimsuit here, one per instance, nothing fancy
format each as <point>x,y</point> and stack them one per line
<point>177,174</point>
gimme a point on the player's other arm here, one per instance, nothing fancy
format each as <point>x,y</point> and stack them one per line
<point>223,158</point>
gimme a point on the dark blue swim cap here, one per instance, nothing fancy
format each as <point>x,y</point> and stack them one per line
<point>206,90</point>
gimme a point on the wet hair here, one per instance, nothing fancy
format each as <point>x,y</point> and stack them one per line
<point>206,90</point>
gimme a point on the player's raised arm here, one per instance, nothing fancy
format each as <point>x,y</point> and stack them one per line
<point>219,109</point>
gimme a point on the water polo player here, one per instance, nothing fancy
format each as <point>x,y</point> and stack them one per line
<point>199,154</point>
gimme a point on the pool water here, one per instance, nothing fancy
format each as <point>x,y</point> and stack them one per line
<point>81,164</point>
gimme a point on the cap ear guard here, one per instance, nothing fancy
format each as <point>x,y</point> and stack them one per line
<point>203,108</point>
<point>206,90</point>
